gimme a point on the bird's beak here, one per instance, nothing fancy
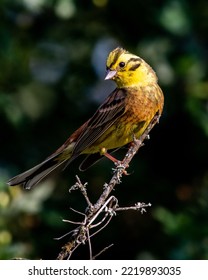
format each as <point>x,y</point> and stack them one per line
<point>110,74</point>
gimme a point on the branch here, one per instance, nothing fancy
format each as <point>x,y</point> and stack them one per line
<point>105,207</point>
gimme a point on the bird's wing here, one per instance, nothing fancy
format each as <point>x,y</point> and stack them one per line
<point>112,108</point>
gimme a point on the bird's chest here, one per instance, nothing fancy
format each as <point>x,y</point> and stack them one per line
<point>140,107</point>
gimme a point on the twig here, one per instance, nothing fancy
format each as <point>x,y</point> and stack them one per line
<point>102,251</point>
<point>108,206</point>
<point>90,245</point>
<point>82,188</point>
<point>119,170</point>
<point>139,206</point>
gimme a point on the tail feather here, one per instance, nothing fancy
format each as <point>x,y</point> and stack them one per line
<point>33,176</point>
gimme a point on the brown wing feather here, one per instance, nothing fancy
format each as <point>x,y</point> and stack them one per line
<point>112,108</point>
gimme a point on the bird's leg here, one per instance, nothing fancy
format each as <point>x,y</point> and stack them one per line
<point>110,157</point>
<point>117,162</point>
<point>113,159</point>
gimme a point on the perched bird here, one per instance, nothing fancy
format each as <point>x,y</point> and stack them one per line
<point>125,113</point>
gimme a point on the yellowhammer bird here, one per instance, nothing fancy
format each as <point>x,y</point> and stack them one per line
<point>125,113</point>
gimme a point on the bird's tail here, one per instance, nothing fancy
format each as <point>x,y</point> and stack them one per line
<point>33,176</point>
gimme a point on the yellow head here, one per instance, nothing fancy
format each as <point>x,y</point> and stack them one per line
<point>128,70</point>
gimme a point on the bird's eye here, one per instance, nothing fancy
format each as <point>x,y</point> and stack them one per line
<point>122,64</point>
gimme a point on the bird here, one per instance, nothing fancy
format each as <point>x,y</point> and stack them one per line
<point>123,115</point>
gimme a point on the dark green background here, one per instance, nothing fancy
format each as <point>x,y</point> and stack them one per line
<point>52,65</point>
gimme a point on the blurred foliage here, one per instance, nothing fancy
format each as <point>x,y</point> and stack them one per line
<point>52,55</point>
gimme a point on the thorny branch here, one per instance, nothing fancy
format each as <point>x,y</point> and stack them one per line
<point>97,216</point>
